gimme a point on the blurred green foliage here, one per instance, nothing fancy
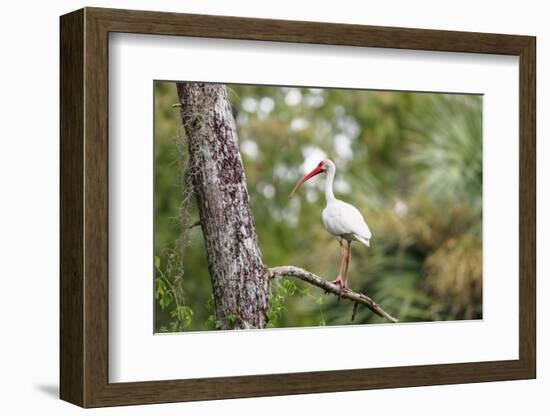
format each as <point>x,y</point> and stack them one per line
<point>412,164</point>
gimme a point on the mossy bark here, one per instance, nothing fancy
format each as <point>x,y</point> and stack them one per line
<point>239,279</point>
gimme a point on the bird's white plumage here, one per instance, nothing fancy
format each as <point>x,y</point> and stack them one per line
<point>345,221</point>
<point>341,219</point>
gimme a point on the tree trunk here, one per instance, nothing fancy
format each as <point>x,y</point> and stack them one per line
<point>239,279</point>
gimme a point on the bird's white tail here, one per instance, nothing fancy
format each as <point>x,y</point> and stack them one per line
<point>365,241</point>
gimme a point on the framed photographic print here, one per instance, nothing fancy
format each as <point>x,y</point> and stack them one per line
<point>257,207</point>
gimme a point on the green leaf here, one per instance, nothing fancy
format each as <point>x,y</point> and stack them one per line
<point>165,300</point>
<point>160,288</point>
<point>211,322</point>
<point>289,286</point>
<point>184,314</point>
<point>303,292</point>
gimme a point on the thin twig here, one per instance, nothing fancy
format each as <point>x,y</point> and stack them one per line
<point>330,287</point>
<point>355,305</point>
<point>198,222</point>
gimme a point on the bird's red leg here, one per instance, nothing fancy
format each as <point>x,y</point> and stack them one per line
<point>348,259</point>
<point>339,280</point>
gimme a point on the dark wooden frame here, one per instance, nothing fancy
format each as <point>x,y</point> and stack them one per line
<point>84,207</point>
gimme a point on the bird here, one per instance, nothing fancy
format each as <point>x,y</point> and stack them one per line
<point>341,219</point>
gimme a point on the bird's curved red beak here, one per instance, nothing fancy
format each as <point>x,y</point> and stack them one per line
<point>310,175</point>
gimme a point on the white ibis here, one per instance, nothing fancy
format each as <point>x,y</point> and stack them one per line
<point>341,219</point>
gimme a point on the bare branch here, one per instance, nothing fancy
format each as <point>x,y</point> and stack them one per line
<point>330,287</point>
